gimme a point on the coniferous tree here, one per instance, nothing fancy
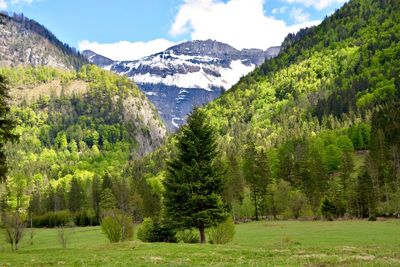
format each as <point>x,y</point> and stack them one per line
<point>75,199</point>
<point>257,174</point>
<point>107,181</point>
<point>7,126</point>
<point>96,193</point>
<point>366,195</point>
<point>194,184</point>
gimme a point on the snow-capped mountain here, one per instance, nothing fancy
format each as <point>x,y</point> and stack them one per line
<point>187,75</point>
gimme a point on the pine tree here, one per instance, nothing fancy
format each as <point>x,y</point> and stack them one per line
<point>366,195</point>
<point>75,197</point>
<point>257,174</point>
<point>7,126</point>
<point>96,193</point>
<point>194,184</point>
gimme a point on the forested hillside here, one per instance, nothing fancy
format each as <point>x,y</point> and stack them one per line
<point>24,41</point>
<point>74,128</point>
<point>315,131</point>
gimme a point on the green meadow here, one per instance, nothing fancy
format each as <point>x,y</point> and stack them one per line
<point>276,243</point>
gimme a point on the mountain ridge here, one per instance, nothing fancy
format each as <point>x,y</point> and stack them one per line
<point>187,75</point>
<point>24,41</point>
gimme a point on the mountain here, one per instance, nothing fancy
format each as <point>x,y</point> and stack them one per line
<point>96,59</point>
<point>187,75</point>
<point>51,68</point>
<point>26,42</point>
<point>315,131</point>
<point>75,121</point>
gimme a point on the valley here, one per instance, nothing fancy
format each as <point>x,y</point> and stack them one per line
<point>287,155</point>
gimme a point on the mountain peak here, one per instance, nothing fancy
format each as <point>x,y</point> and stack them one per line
<point>24,41</point>
<point>203,47</point>
<point>97,59</point>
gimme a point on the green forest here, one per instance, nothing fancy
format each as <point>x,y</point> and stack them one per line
<point>69,141</point>
<point>311,134</point>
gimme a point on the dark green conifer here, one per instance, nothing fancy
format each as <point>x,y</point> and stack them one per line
<point>194,183</point>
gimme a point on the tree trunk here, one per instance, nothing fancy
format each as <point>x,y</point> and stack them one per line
<point>202,235</point>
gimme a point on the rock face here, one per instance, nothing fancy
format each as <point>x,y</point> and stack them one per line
<point>26,42</point>
<point>187,75</point>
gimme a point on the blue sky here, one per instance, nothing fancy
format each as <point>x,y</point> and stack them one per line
<point>129,29</point>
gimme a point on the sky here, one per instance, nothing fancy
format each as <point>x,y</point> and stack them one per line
<point>131,29</point>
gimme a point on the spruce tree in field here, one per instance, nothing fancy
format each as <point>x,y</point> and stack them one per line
<point>194,183</point>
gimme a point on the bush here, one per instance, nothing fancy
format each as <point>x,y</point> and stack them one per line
<point>64,233</point>
<point>190,236</point>
<point>222,233</point>
<point>156,230</point>
<point>14,226</point>
<point>85,218</point>
<point>112,227</point>
<point>52,219</point>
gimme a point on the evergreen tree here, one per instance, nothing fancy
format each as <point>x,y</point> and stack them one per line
<point>107,181</point>
<point>96,193</point>
<point>7,126</point>
<point>366,195</point>
<point>257,174</point>
<point>194,184</point>
<point>75,197</point>
<point>59,198</point>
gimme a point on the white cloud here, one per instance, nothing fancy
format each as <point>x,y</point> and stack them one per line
<point>3,5</point>
<point>299,15</point>
<point>125,50</point>
<point>317,4</point>
<point>240,23</point>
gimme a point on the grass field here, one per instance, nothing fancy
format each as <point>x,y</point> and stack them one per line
<point>281,243</point>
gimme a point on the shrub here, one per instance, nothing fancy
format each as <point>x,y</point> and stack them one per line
<point>64,232</point>
<point>52,219</point>
<point>188,236</point>
<point>117,227</point>
<point>222,233</point>
<point>156,230</point>
<point>14,227</point>
<point>85,218</point>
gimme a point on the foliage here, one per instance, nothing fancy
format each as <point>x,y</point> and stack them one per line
<point>14,227</point>
<point>156,230</point>
<point>189,236</point>
<point>222,233</point>
<point>117,227</point>
<point>52,219</point>
<point>70,140</point>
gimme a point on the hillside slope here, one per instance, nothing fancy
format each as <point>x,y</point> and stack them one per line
<point>318,125</point>
<point>74,125</point>
<point>26,42</point>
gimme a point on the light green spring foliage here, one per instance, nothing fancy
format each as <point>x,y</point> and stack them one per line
<point>117,227</point>
<point>188,236</point>
<point>222,233</point>
<point>68,135</point>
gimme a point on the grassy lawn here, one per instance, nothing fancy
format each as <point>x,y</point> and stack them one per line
<point>281,243</point>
